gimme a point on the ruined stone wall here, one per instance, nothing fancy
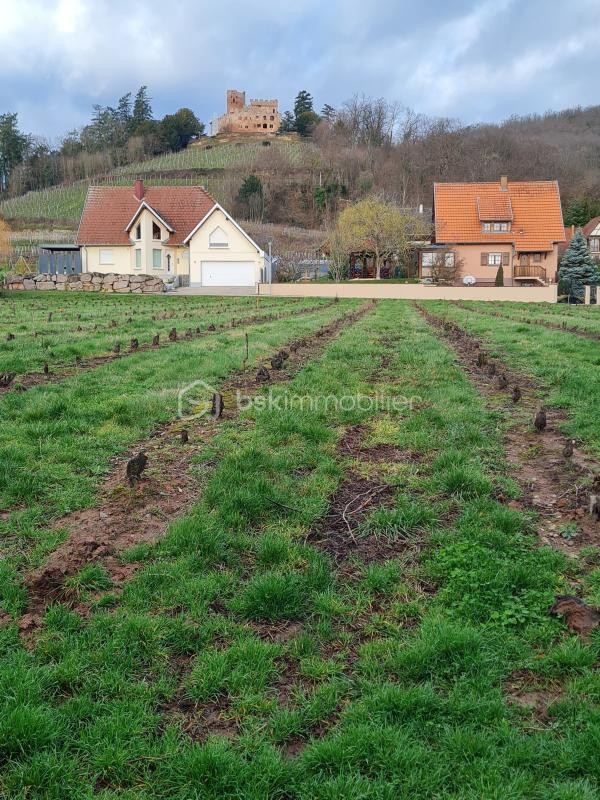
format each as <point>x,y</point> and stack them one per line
<point>86,282</point>
<point>258,117</point>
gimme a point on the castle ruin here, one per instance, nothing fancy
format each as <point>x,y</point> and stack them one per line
<point>258,117</point>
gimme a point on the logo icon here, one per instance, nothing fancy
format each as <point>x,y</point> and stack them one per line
<point>195,400</point>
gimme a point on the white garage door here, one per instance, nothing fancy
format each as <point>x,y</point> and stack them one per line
<point>228,273</point>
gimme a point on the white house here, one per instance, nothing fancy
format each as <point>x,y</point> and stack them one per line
<point>163,231</point>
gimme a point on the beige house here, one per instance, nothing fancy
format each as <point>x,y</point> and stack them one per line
<point>479,227</point>
<point>169,232</point>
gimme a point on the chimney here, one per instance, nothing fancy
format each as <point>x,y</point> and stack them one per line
<point>138,190</point>
<point>504,183</point>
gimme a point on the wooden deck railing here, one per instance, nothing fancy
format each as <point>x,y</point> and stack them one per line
<point>531,271</point>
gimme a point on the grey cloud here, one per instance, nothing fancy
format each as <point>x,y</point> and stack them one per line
<point>474,60</point>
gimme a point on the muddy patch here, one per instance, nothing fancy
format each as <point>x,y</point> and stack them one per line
<point>525,693</point>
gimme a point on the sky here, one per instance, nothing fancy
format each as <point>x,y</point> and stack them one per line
<point>473,60</point>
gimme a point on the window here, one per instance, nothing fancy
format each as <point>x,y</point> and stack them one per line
<point>138,231</point>
<point>495,227</point>
<point>494,259</point>
<point>106,257</point>
<point>218,238</point>
<point>157,259</point>
<point>594,245</point>
<point>155,231</point>
<point>427,259</point>
<point>138,258</point>
<point>537,257</point>
<point>449,259</point>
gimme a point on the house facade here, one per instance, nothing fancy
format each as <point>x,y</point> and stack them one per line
<point>479,227</point>
<point>166,231</point>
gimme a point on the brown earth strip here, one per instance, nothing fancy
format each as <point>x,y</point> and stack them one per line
<point>124,517</point>
<point>31,379</point>
<point>556,487</point>
<point>532,321</point>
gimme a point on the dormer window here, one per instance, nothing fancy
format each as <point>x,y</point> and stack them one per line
<point>495,227</point>
<point>138,231</point>
<point>218,238</point>
<point>155,231</point>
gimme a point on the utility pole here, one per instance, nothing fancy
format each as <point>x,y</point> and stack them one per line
<point>270,269</point>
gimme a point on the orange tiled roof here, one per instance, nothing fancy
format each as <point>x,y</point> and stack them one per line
<point>109,209</point>
<point>536,221</point>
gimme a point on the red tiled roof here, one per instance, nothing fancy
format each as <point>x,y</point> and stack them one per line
<point>109,209</point>
<point>495,209</point>
<point>536,213</point>
<point>590,226</point>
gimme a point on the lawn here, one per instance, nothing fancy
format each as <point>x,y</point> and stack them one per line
<point>352,605</point>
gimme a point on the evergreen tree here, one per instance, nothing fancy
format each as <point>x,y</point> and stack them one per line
<point>575,213</point>
<point>577,268</point>
<point>499,276</point>
<point>13,147</point>
<point>142,109</point>
<point>288,124</point>
<point>328,113</point>
<point>124,109</point>
<point>303,103</point>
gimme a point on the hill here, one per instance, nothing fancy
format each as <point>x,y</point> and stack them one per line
<point>303,182</point>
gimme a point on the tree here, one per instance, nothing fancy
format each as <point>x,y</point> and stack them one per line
<point>499,276</point>
<point>5,243</point>
<point>328,113</point>
<point>303,103</point>
<point>305,119</point>
<point>13,147</point>
<point>445,268</point>
<point>142,109</point>
<point>339,253</point>
<point>251,196</point>
<point>288,123</point>
<point>124,110</point>
<point>381,227</point>
<point>178,129</point>
<point>577,268</point>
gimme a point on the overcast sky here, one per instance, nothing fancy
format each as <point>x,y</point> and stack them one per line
<point>476,60</point>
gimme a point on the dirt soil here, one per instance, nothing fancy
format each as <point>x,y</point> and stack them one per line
<point>556,487</point>
<point>126,516</point>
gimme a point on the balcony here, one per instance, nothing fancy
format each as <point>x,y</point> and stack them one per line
<point>529,272</point>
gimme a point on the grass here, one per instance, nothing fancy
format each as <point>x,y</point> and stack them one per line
<point>564,363</point>
<point>241,661</point>
<point>55,330</point>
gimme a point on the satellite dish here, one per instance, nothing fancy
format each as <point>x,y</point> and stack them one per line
<point>469,280</point>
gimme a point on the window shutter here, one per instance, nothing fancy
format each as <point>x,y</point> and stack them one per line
<point>505,259</point>
<point>484,259</point>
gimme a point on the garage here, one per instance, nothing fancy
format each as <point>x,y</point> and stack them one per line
<point>228,273</point>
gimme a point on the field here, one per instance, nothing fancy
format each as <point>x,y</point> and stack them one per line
<point>338,589</point>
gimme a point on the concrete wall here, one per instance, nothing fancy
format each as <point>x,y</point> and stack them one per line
<point>239,248</point>
<point>413,291</point>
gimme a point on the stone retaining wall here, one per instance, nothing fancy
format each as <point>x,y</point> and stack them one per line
<point>86,282</point>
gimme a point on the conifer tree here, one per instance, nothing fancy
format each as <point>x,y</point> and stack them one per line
<point>577,268</point>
